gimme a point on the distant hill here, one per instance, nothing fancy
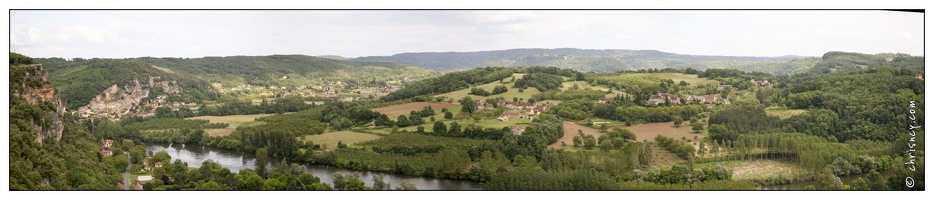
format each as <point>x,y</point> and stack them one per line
<point>590,60</point>
<point>335,57</point>
<point>80,80</point>
<point>835,62</point>
<point>288,70</point>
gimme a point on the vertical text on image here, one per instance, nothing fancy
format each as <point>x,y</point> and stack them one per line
<point>909,181</point>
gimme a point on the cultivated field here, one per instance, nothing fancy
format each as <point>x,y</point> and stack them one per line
<point>667,129</point>
<point>570,130</point>
<point>758,169</point>
<point>234,121</point>
<point>689,78</point>
<point>416,106</point>
<point>664,158</point>
<point>784,114</point>
<point>330,139</point>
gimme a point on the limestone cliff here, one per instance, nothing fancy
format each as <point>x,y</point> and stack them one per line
<point>115,101</point>
<point>31,83</point>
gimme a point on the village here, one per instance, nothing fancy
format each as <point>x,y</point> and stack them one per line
<point>115,102</point>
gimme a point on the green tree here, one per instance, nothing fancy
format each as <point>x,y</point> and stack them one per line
<point>859,184</point>
<point>875,181</point>
<point>440,128</point>
<point>379,184</point>
<point>606,146</point>
<point>448,115</point>
<point>273,184</point>
<point>262,157</point>
<point>468,105</point>
<point>590,142</point>
<point>452,160</point>
<point>677,120</point>
<point>697,127</point>
<point>826,180</point>
<point>406,185</point>
<point>210,185</point>
<point>340,181</point>
<point>252,182</point>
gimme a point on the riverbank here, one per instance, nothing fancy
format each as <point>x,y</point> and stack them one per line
<point>194,155</point>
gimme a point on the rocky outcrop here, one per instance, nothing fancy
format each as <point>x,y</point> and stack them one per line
<point>116,101</point>
<point>37,90</point>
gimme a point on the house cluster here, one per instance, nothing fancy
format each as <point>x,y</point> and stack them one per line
<point>518,129</point>
<point>761,83</point>
<point>505,116</point>
<point>710,98</point>
<point>656,99</point>
<point>106,148</point>
<point>721,87</point>
<point>604,100</point>
<point>529,108</point>
<point>660,98</point>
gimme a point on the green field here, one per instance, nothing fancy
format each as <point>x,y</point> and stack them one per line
<point>513,92</point>
<point>330,139</point>
<point>689,78</point>
<point>783,113</point>
<point>234,121</point>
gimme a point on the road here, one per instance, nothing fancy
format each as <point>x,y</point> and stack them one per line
<point>126,175</point>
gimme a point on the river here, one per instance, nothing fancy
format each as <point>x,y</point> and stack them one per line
<point>194,155</point>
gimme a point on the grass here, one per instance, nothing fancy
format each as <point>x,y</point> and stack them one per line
<point>163,69</point>
<point>784,114</point>
<point>691,79</point>
<point>395,110</point>
<point>508,95</point>
<point>486,123</point>
<point>330,139</point>
<point>663,158</point>
<point>570,130</point>
<point>757,169</point>
<point>651,130</point>
<point>234,121</point>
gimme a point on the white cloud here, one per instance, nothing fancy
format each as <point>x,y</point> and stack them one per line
<point>363,33</point>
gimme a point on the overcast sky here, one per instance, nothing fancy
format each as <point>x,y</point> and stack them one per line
<point>135,33</point>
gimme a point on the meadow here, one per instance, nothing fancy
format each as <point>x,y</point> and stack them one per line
<point>329,140</point>
<point>234,121</point>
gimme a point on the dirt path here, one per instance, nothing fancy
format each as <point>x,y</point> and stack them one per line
<point>126,175</point>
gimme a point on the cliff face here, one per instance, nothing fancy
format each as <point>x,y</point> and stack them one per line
<point>36,89</point>
<point>115,101</point>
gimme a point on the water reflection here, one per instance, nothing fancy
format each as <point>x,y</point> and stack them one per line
<point>194,155</point>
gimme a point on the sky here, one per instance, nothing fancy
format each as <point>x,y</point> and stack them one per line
<point>354,33</point>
